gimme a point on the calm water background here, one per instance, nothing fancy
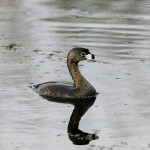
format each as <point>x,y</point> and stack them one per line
<point>117,32</point>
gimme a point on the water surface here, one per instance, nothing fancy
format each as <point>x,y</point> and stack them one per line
<point>35,37</point>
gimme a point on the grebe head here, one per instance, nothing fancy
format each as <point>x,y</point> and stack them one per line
<point>78,54</point>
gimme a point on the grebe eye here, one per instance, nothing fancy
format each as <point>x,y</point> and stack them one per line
<point>83,54</point>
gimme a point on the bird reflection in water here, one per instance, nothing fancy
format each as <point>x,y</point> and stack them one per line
<point>81,106</point>
<point>77,136</point>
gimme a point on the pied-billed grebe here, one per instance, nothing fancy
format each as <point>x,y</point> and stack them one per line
<point>81,87</point>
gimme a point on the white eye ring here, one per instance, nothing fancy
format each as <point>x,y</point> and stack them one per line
<point>83,54</point>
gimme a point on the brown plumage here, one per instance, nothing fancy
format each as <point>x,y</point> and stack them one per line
<point>81,87</point>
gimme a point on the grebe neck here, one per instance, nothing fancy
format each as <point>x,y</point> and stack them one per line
<point>78,79</point>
